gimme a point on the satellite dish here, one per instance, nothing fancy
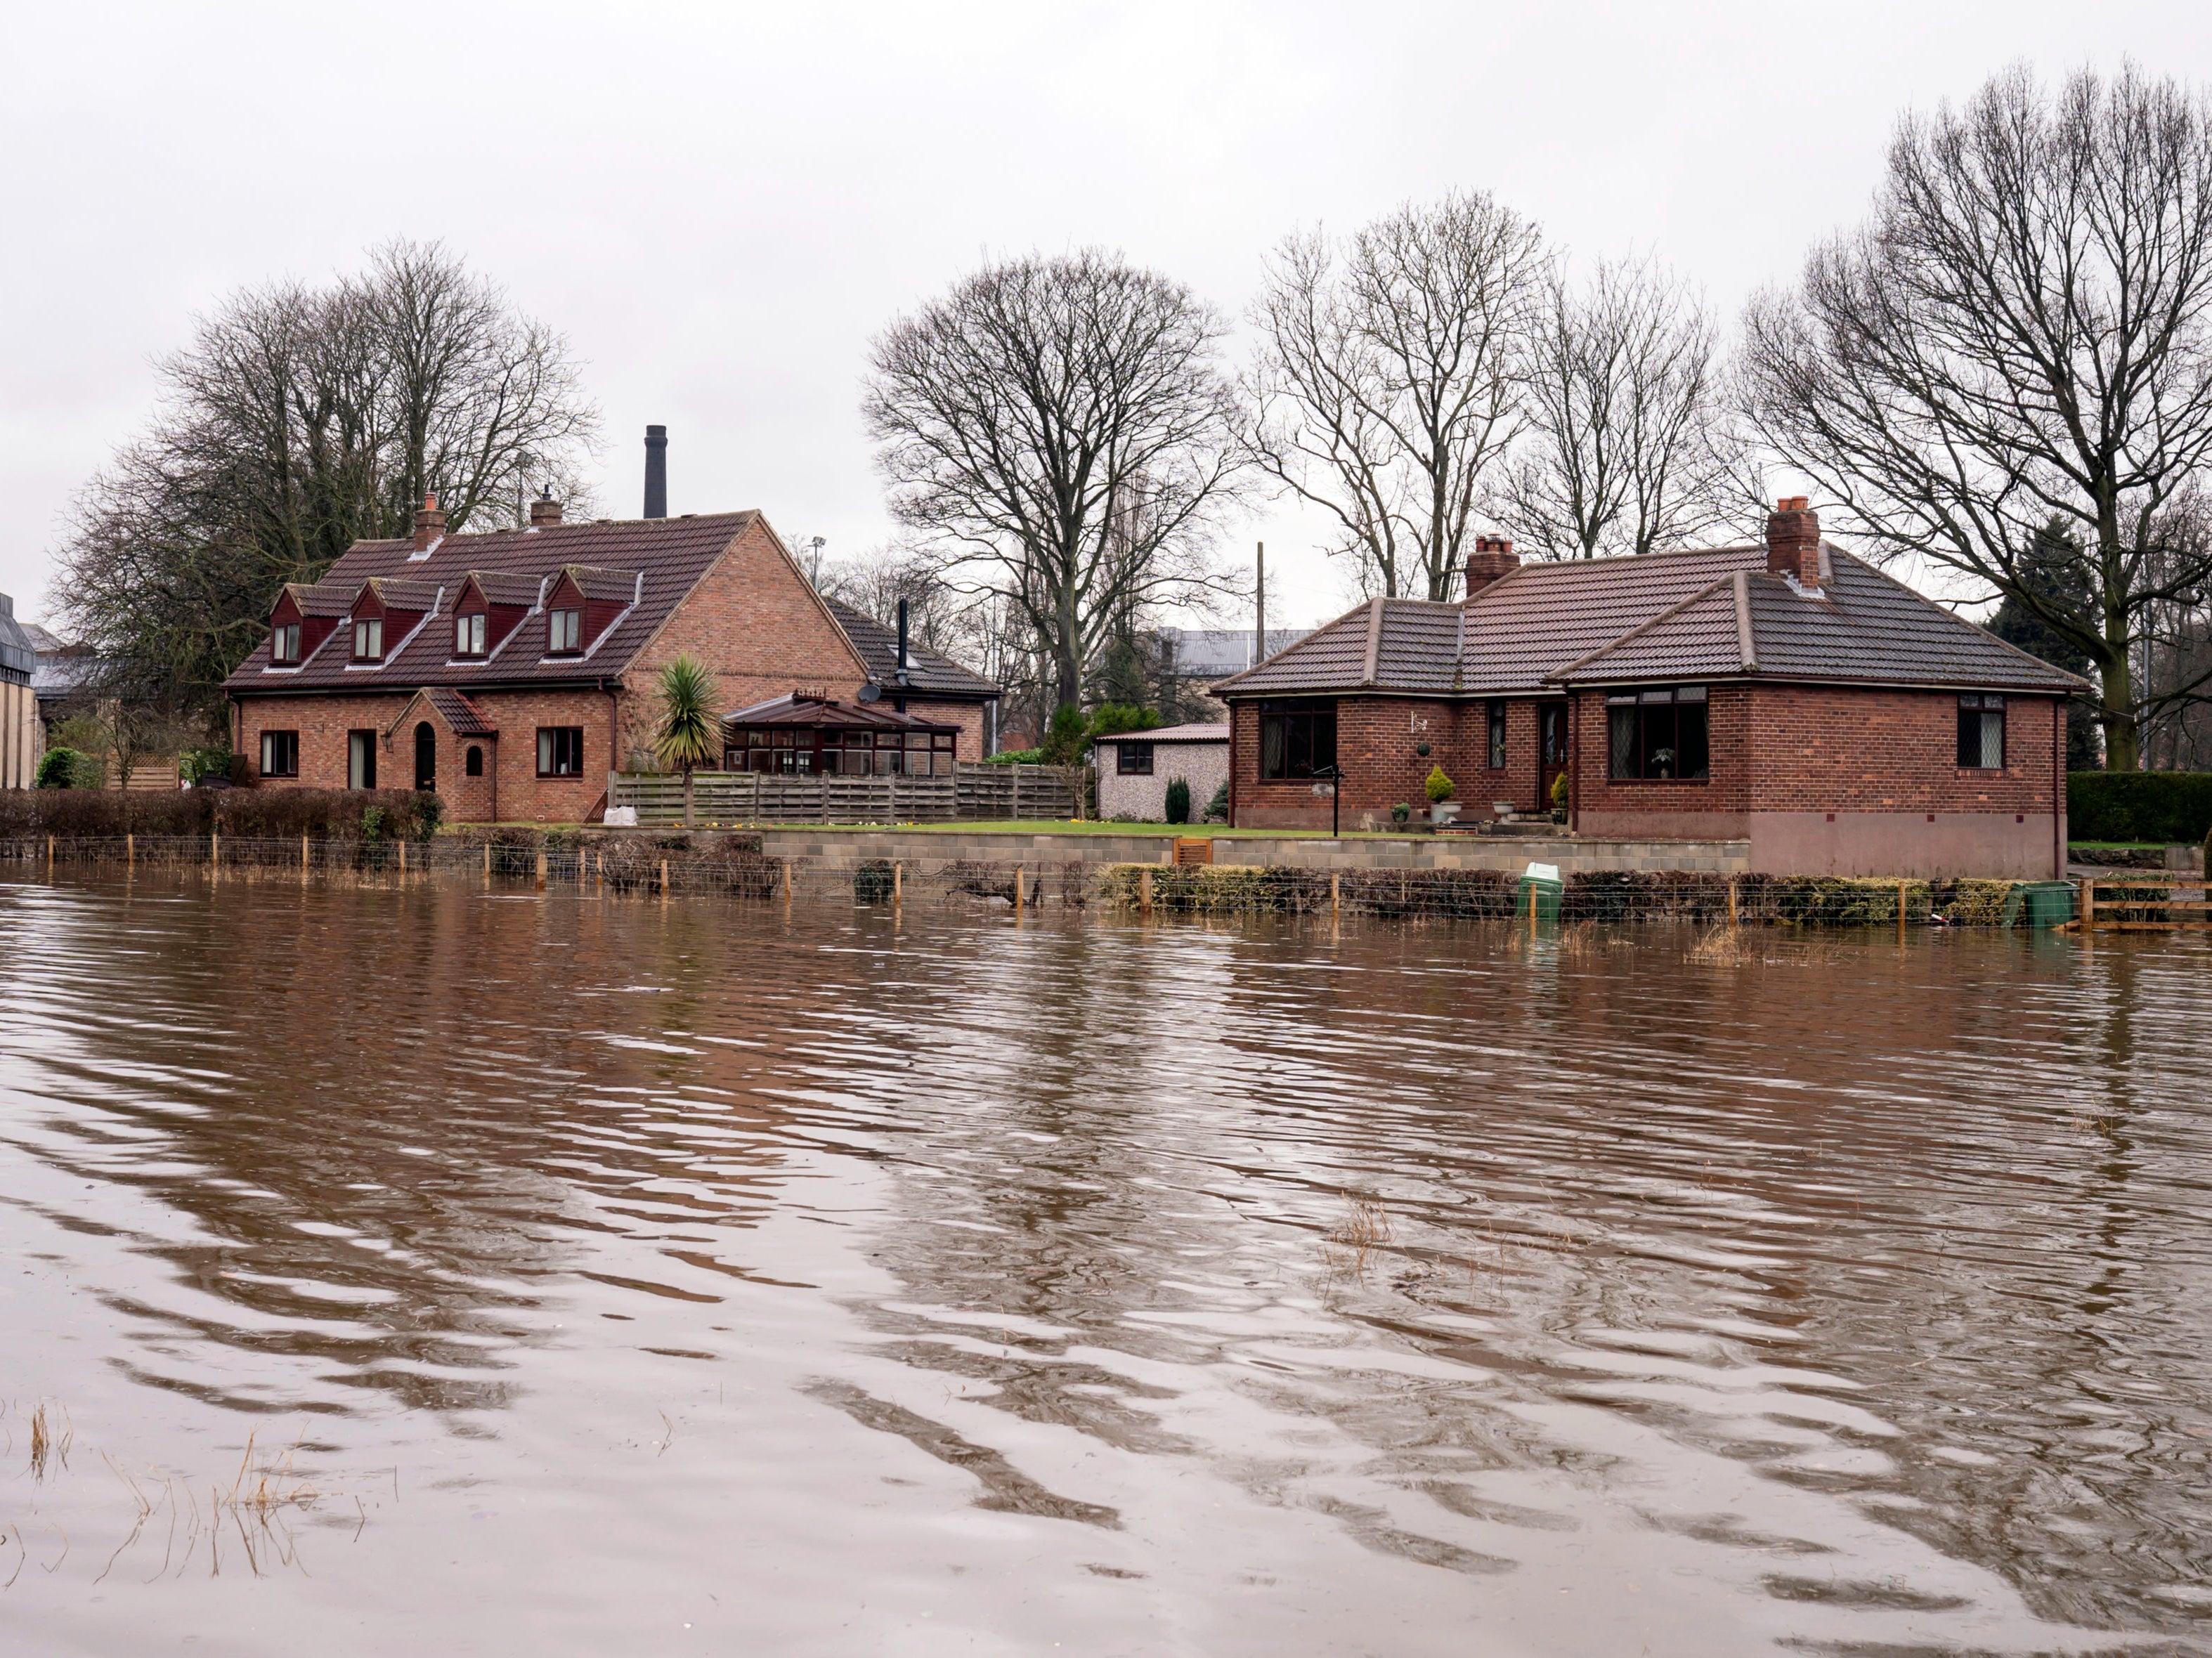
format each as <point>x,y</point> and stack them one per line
<point>870,692</point>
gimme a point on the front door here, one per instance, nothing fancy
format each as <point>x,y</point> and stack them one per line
<point>1552,747</point>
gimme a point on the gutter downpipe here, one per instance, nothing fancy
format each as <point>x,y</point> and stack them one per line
<point>2060,709</point>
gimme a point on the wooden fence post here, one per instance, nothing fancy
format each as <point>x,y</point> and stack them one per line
<point>214,851</point>
<point>486,863</point>
<point>403,858</point>
<point>541,871</point>
<point>1732,908</point>
<point>50,858</point>
<point>131,852</point>
<point>664,880</point>
<point>1145,890</point>
<point>786,889</point>
<point>1901,906</point>
<point>2088,900</point>
<point>1021,891</point>
<point>1335,894</point>
<point>898,887</point>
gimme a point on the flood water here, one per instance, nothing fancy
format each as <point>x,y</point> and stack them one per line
<point>437,1272</point>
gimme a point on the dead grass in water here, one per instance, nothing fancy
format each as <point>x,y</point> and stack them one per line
<point>1722,946</point>
<point>1364,1229</point>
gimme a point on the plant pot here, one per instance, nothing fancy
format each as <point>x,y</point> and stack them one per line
<point>1558,814</point>
<point>1444,812</point>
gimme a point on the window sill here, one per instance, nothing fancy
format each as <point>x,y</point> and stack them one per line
<point>1655,782</point>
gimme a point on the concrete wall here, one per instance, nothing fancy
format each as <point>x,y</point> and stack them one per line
<point>1204,766</point>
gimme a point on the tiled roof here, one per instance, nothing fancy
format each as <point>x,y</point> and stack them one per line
<point>671,553</point>
<point>1170,734</point>
<point>406,592</point>
<point>926,671</point>
<point>463,716</point>
<point>1663,616</point>
<point>615,587</point>
<point>324,597</point>
<point>507,587</point>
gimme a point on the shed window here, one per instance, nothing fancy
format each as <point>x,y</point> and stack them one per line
<point>1298,739</point>
<point>567,632</point>
<point>284,642</point>
<point>1658,735</point>
<point>469,635</point>
<point>368,639</point>
<point>280,754</point>
<point>1982,733</point>
<point>1133,759</point>
<point>560,751</point>
<point>1497,737</point>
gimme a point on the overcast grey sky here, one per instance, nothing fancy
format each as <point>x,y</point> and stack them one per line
<point>720,204</point>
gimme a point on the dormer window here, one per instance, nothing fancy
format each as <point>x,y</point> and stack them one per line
<point>469,634</point>
<point>284,642</point>
<point>368,639</point>
<point>568,633</point>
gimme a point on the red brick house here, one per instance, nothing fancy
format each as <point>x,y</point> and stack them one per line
<point>1785,694</point>
<point>512,670</point>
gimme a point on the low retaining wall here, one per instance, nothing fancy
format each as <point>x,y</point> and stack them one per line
<point>929,850</point>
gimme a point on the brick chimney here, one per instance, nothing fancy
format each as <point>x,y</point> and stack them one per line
<point>545,512</point>
<point>1493,556</point>
<point>1793,541</point>
<point>429,525</point>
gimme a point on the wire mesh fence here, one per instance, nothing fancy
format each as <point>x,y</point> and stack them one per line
<point>733,866</point>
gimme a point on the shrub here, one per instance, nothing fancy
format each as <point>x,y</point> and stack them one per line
<point>1559,790</point>
<point>248,814</point>
<point>1400,812</point>
<point>1439,786</point>
<point>1017,757</point>
<point>1216,809</point>
<point>70,769</point>
<point>1113,719</point>
<point>1067,740</point>
<point>2162,806</point>
<point>197,765</point>
<point>1178,805</point>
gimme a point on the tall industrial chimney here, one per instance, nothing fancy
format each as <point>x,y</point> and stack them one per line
<point>656,471</point>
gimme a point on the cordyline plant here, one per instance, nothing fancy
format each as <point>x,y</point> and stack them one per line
<point>690,732</point>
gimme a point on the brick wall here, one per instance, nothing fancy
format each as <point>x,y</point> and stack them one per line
<point>969,716</point>
<point>755,623</point>
<point>1378,742</point>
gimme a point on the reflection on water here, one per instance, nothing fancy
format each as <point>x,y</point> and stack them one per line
<point>609,1276</point>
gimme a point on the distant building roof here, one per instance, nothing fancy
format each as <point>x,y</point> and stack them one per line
<point>815,712</point>
<point>1715,612</point>
<point>927,673</point>
<point>45,642</point>
<point>1215,652</point>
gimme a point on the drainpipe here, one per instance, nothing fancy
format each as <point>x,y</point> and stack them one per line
<point>2058,712</point>
<point>1574,762</point>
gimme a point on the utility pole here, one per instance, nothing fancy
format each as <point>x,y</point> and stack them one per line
<point>1259,605</point>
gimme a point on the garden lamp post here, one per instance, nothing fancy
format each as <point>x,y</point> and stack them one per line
<point>1335,808</point>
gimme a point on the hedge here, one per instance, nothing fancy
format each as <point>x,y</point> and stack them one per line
<point>2161,806</point>
<point>249,813</point>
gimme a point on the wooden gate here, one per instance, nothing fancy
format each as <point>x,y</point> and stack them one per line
<point>2145,902</point>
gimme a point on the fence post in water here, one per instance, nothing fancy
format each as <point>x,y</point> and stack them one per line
<point>786,889</point>
<point>1145,890</point>
<point>664,880</point>
<point>541,871</point>
<point>403,858</point>
<point>898,886</point>
<point>214,853</point>
<point>1901,906</point>
<point>1335,894</point>
<point>2088,893</point>
<point>1732,910</point>
<point>130,851</point>
<point>487,861</point>
<point>50,858</point>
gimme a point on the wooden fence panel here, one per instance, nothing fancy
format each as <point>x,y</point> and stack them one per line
<point>973,793</point>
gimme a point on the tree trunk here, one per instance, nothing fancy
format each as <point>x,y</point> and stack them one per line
<point>2116,712</point>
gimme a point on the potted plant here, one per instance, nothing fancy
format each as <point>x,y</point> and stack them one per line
<point>1559,799</point>
<point>1442,809</point>
<point>1400,813</point>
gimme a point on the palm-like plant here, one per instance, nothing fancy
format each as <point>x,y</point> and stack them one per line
<point>690,732</point>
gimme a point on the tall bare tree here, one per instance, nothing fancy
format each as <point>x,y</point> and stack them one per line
<point>1061,434</point>
<point>298,419</point>
<point>1626,446</point>
<point>1389,378</point>
<point>2018,335</point>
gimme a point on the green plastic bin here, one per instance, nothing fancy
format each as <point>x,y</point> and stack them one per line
<point>1542,888</point>
<point>2040,904</point>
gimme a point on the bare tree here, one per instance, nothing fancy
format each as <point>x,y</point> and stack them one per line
<point>1626,447</point>
<point>2019,334</point>
<point>1059,433</point>
<point>1389,379</point>
<point>298,419</point>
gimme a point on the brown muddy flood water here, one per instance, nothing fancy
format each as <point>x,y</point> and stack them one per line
<point>433,1272</point>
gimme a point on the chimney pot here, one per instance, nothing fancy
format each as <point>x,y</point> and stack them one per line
<point>545,512</point>
<point>429,525</point>
<point>1493,556</point>
<point>656,471</point>
<point>1793,542</point>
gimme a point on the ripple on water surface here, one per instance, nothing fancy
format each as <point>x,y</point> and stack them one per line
<point>580,1276</point>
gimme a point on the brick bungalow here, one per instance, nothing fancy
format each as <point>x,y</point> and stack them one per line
<point>1786,694</point>
<point>511,671</point>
